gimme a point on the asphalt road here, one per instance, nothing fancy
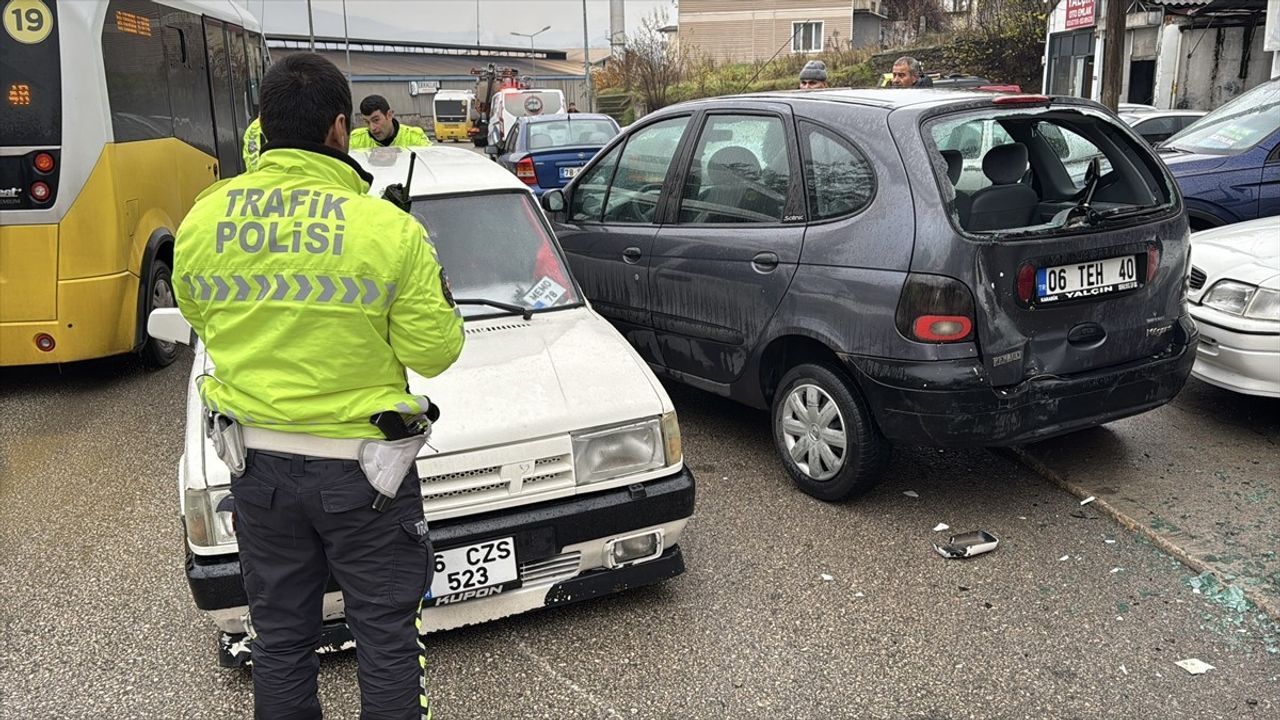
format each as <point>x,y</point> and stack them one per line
<point>97,621</point>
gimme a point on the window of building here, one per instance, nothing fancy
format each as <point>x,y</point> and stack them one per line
<point>806,37</point>
<point>958,6</point>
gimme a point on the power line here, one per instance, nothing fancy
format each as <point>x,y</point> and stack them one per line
<point>799,28</point>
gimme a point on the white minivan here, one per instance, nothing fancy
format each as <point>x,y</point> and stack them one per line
<point>555,440</point>
<point>508,104</point>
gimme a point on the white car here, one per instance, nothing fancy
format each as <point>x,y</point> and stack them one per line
<point>1156,126</point>
<point>1234,291</point>
<point>556,444</point>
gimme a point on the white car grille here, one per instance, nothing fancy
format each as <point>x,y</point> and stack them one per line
<point>522,472</point>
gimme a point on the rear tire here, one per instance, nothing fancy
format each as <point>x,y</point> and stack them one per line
<point>159,294</point>
<point>825,436</point>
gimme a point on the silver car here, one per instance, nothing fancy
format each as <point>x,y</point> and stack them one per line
<point>1234,289</point>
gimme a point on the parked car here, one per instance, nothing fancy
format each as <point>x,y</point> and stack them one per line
<point>556,443</point>
<point>1235,300</point>
<point>1159,125</point>
<point>1228,162</point>
<point>547,152</point>
<point>809,252</point>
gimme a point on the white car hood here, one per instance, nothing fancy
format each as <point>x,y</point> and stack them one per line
<point>516,381</point>
<point>1247,251</point>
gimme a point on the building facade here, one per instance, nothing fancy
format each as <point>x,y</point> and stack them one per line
<point>1184,54</point>
<point>751,30</point>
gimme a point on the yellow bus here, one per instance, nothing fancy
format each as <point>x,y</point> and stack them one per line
<point>451,112</point>
<point>117,113</point>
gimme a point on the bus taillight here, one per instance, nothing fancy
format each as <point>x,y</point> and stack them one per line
<point>43,162</point>
<point>45,342</point>
<point>39,191</point>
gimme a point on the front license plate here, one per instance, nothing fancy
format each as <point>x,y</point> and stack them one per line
<point>569,172</point>
<point>1089,279</point>
<point>473,571</point>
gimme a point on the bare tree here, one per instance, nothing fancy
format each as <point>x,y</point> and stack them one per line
<point>653,64</point>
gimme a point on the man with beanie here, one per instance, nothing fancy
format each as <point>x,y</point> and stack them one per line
<point>814,75</point>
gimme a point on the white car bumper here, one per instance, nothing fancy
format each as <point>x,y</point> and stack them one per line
<point>1235,354</point>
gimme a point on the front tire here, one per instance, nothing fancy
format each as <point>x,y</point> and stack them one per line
<point>159,294</point>
<point>825,436</point>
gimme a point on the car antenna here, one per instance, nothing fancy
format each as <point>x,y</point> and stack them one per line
<point>397,193</point>
<point>790,40</point>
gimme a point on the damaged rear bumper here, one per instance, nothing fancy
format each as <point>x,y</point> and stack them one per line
<point>951,403</point>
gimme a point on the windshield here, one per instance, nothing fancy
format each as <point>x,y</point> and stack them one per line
<point>494,246</point>
<point>1234,127</point>
<point>559,133</point>
<point>451,110</point>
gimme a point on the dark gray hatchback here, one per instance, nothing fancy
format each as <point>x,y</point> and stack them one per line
<point>890,266</point>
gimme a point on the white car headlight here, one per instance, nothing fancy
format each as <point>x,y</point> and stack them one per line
<point>1229,296</point>
<point>623,450</point>
<point>206,525</point>
<point>1265,305</point>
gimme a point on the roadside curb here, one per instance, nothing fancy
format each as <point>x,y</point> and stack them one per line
<point>1264,605</point>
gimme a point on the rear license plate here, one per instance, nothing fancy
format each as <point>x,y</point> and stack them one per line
<point>474,571</point>
<point>569,172</point>
<point>1088,279</point>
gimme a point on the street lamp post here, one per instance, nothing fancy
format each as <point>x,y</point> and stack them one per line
<point>532,56</point>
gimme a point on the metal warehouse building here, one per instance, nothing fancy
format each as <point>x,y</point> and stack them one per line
<point>408,74</point>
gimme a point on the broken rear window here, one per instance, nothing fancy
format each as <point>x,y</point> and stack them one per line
<point>1030,170</point>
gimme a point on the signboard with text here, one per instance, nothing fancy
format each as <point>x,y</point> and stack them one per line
<point>1079,14</point>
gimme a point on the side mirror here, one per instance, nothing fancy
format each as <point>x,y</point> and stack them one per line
<point>167,324</point>
<point>554,201</point>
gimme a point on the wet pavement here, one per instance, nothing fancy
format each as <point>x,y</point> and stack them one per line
<point>1057,622</point>
<point>1201,474</point>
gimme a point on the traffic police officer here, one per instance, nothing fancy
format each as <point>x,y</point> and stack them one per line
<point>312,298</point>
<point>384,129</point>
<point>253,142</point>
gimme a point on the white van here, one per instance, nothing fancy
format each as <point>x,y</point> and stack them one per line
<point>555,439</point>
<point>509,104</point>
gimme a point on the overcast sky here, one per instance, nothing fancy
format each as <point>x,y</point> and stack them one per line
<point>454,21</point>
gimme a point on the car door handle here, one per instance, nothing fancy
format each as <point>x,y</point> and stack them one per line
<point>631,255</point>
<point>765,262</point>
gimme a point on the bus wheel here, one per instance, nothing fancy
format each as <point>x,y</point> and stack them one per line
<point>156,353</point>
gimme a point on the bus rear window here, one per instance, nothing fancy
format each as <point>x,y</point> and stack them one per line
<point>30,76</point>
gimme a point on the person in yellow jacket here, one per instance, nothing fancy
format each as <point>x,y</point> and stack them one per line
<point>384,130</point>
<point>253,142</point>
<point>312,298</point>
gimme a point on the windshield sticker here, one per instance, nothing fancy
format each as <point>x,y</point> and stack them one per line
<point>545,294</point>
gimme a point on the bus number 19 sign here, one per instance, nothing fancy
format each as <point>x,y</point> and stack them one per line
<point>27,21</point>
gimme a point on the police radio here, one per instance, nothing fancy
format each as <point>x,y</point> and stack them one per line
<point>398,194</point>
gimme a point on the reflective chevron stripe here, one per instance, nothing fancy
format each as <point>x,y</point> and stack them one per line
<point>295,287</point>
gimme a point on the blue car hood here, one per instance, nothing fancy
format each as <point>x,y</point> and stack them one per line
<point>1182,164</point>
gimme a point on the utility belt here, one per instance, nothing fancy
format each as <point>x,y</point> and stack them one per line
<point>384,462</point>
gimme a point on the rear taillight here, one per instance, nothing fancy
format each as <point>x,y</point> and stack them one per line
<point>935,309</point>
<point>39,191</point>
<point>43,162</point>
<point>1153,261</point>
<point>524,171</point>
<point>1026,282</point>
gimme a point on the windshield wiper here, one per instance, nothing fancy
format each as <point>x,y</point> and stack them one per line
<point>523,312</point>
<point>1082,210</point>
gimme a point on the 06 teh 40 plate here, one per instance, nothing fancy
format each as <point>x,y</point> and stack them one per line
<point>1087,279</point>
<point>473,571</point>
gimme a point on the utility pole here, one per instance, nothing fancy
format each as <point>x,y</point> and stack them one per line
<point>311,27</point>
<point>346,36</point>
<point>477,23</point>
<point>1113,54</point>
<point>586,61</point>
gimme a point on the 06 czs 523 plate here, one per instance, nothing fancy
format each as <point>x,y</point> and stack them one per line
<point>1087,279</point>
<point>473,571</point>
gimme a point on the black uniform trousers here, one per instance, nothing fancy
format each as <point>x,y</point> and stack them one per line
<point>297,520</point>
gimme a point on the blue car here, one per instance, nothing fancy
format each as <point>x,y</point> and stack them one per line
<point>547,152</point>
<point>1227,163</point>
